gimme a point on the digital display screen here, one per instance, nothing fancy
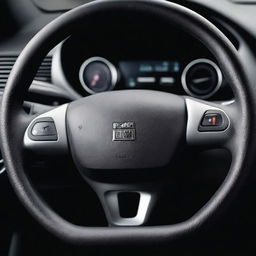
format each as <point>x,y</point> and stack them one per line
<point>141,74</point>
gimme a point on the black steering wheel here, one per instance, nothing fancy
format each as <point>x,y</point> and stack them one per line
<point>125,130</point>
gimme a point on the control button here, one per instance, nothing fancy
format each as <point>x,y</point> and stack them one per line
<point>43,129</point>
<point>213,120</point>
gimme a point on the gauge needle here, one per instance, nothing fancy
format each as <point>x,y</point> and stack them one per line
<point>201,80</point>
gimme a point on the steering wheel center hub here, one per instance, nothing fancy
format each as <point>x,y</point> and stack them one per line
<point>125,129</point>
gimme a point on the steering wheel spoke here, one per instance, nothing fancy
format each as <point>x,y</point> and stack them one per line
<point>46,134</point>
<point>209,124</point>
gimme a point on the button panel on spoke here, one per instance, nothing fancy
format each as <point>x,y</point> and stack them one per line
<point>213,120</point>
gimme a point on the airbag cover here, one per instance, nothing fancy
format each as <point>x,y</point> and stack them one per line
<point>125,129</point>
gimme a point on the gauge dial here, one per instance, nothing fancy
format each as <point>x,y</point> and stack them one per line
<point>201,78</point>
<point>97,75</point>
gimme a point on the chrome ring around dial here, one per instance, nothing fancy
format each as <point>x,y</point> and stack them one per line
<point>201,61</point>
<point>2,167</point>
<point>109,65</point>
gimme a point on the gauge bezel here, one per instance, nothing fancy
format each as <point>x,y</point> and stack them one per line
<point>2,167</point>
<point>112,69</point>
<point>193,63</point>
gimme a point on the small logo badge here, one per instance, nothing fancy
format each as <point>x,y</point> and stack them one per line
<point>124,131</point>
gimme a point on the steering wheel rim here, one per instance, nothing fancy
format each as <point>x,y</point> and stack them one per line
<point>12,116</point>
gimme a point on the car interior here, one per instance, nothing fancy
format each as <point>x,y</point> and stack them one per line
<point>127,127</point>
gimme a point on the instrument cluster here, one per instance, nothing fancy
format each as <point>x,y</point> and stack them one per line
<point>144,57</point>
<point>201,78</point>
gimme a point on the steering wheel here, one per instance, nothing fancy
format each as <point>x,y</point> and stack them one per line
<point>130,130</point>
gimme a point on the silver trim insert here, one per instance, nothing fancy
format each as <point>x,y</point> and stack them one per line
<point>198,61</point>
<point>114,213</point>
<point>60,146</point>
<point>112,69</point>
